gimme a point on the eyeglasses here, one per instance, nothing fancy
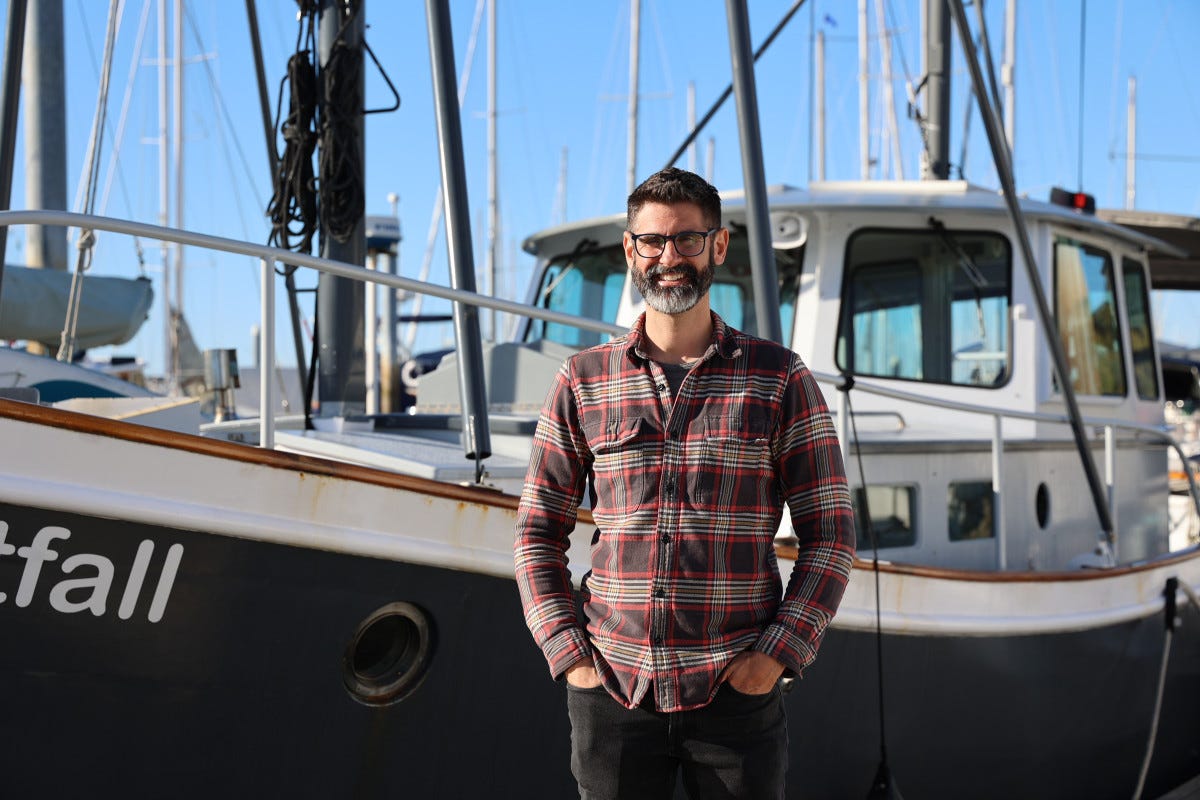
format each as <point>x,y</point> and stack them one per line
<point>687,243</point>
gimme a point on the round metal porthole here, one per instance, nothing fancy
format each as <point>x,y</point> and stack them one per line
<point>389,654</point>
<point>1041,504</point>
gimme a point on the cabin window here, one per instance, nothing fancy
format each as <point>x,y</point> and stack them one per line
<point>732,293</point>
<point>927,305</point>
<point>587,285</point>
<point>969,510</point>
<point>1141,335</point>
<point>1085,305</point>
<point>893,516</point>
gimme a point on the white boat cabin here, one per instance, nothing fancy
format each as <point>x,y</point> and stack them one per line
<point>918,288</point>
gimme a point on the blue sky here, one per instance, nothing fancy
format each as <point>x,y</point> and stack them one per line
<point>563,81</point>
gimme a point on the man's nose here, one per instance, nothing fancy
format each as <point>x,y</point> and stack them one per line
<point>670,254</point>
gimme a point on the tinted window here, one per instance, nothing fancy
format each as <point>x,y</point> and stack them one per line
<point>1141,335</point>
<point>1085,305</point>
<point>928,305</point>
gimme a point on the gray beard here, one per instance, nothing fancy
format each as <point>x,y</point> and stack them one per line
<point>674,299</point>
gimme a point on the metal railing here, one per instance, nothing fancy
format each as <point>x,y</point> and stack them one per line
<point>998,415</point>
<point>268,258</point>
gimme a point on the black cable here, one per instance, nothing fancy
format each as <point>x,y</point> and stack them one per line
<point>882,786</point>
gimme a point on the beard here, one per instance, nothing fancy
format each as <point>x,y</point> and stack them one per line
<point>674,299</point>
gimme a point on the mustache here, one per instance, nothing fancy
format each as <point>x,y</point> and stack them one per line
<point>658,270</point>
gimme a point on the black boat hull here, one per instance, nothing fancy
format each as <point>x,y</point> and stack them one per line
<point>238,690</point>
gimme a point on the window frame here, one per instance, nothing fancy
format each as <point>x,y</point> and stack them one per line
<point>846,301</point>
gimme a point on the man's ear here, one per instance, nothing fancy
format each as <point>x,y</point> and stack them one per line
<point>720,245</point>
<point>627,243</point>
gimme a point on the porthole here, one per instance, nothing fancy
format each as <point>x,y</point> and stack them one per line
<point>389,654</point>
<point>1042,506</point>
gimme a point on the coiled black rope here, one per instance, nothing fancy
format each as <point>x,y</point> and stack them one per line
<point>293,208</point>
<point>341,185</point>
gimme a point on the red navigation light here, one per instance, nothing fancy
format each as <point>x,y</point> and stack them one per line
<point>1080,201</point>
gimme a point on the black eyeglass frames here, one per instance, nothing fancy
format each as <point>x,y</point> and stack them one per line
<point>687,243</point>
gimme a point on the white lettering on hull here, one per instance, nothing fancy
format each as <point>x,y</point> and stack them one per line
<point>91,576</point>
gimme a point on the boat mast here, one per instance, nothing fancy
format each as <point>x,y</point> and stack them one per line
<point>164,204</point>
<point>891,122</point>
<point>936,158</point>
<point>1008,73</point>
<point>493,179</point>
<point>864,101</point>
<point>635,20</point>
<point>45,136</point>
<point>177,318</point>
<point>820,103</point>
<point>340,301</point>
<point>10,100</point>
<point>1131,145</point>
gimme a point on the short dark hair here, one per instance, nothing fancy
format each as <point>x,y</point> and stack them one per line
<point>673,185</point>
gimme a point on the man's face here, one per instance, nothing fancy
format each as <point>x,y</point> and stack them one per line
<point>672,283</point>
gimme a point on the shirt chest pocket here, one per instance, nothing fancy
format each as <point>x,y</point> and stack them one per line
<point>736,466</point>
<point>623,454</point>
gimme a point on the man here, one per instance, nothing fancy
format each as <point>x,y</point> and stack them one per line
<point>693,436</point>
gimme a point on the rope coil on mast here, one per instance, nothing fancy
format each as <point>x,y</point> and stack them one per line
<point>87,237</point>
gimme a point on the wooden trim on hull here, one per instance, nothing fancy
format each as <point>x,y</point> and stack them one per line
<point>141,434</point>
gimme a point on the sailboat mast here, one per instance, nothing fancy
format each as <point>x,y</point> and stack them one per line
<point>45,131</point>
<point>635,24</point>
<point>1131,146</point>
<point>820,103</point>
<point>10,97</point>
<point>164,203</point>
<point>891,121</point>
<point>1008,73</point>
<point>864,91</point>
<point>493,180</point>
<point>177,319</point>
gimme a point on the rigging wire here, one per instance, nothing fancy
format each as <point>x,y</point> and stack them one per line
<point>114,163</point>
<point>87,238</point>
<point>215,86</point>
<point>883,785</point>
<point>762,48</point>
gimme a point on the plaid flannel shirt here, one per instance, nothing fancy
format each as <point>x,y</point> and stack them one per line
<point>688,496</point>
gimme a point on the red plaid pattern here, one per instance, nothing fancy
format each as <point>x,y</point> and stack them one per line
<point>687,498</point>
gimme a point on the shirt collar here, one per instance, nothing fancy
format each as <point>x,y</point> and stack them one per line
<point>724,339</point>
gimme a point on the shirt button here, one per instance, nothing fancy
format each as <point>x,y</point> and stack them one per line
<point>662,387</point>
<point>659,593</point>
<point>666,538</point>
<point>658,639</point>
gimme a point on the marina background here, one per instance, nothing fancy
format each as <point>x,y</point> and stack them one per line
<point>563,85</point>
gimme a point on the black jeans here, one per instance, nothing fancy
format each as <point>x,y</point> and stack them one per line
<point>733,748</point>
